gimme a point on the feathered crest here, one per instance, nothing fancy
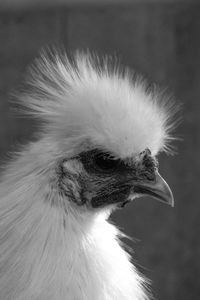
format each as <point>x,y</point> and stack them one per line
<point>98,100</point>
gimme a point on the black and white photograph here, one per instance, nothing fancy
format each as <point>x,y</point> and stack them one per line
<point>99,150</point>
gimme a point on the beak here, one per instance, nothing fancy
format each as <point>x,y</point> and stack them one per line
<point>157,189</point>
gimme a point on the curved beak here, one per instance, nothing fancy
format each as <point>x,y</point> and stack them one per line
<point>157,189</point>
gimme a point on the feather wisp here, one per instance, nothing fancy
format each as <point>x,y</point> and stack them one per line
<point>98,100</point>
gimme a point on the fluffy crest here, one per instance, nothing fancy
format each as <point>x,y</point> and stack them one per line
<point>95,100</point>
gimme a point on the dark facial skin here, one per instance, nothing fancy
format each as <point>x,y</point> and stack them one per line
<point>108,180</point>
<point>95,178</point>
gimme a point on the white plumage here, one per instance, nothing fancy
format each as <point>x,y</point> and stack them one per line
<point>58,192</point>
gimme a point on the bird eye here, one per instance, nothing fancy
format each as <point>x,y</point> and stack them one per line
<point>105,162</point>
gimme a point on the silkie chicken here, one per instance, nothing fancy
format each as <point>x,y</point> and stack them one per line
<point>101,129</point>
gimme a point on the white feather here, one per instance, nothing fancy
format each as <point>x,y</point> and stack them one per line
<point>51,249</point>
<point>99,102</point>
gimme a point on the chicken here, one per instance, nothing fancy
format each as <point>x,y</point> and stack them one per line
<point>101,128</point>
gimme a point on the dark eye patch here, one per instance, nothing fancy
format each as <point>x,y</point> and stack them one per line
<point>105,161</point>
<point>104,165</point>
<point>100,161</point>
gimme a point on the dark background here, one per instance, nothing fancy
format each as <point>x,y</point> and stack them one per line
<point>161,40</point>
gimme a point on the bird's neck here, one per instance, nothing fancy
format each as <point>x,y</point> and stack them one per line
<point>49,256</point>
<point>49,253</point>
<point>83,259</point>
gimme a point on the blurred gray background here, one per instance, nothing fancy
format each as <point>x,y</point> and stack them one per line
<point>160,39</point>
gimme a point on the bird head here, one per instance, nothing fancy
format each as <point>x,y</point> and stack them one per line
<point>108,127</point>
